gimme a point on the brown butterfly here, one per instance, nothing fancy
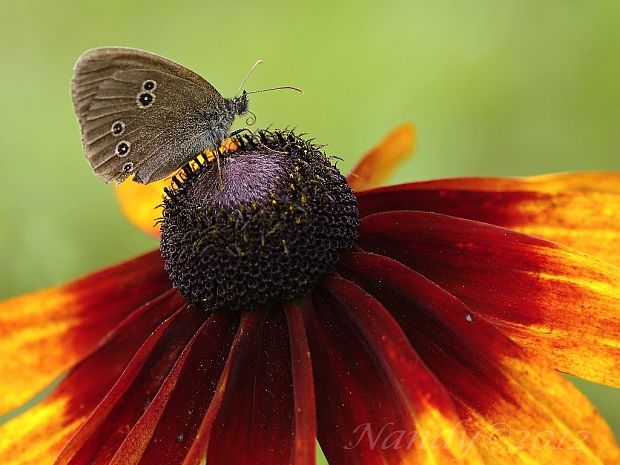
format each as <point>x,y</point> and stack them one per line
<point>145,115</point>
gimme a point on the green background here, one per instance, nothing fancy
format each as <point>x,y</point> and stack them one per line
<point>496,88</point>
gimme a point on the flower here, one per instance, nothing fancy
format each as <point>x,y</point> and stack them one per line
<point>430,332</point>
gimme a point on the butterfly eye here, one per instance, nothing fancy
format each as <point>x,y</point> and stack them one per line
<point>149,85</point>
<point>145,99</point>
<point>128,167</point>
<point>118,128</point>
<point>122,148</point>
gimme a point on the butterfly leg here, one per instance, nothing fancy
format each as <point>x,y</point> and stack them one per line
<point>257,139</point>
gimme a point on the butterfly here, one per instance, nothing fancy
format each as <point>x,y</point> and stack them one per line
<point>141,114</point>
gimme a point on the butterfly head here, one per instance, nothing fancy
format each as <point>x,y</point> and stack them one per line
<point>240,103</point>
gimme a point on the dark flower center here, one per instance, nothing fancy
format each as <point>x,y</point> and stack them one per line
<point>263,223</point>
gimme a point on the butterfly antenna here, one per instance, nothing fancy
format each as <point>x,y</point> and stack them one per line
<point>301,91</point>
<point>247,76</point>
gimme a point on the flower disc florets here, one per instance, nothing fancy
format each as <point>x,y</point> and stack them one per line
<point>262,223</point>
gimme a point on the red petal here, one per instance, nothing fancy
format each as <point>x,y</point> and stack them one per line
<point>198,449</point>
<point>303,387</point>
<point>36,437</point>
<point>132,448</point>
<point>580,210</point>
<point>515,408</point>
<point>44,333</point>
<point>558,302</point>
<point>377,402</point>
<point>265,407</point>
<point>98,440</point>
<point>170,424</point>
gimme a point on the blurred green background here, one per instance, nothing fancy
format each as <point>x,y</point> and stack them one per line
<point>515,87</point>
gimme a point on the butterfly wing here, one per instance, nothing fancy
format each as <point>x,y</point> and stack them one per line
<point>142,114</point>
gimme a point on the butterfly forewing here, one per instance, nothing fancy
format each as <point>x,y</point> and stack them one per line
<point>141,114</point>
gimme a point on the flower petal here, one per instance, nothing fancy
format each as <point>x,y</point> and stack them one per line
<point>600,181</point>
<point>96,442</point>
<point>376,401</point>
<point>44,333</point>
<point>266,415</point>
<point>171,422</point>
<point>581,210</point>
<point>516,408</point>
<point>140,204</point>
<point>37,436</point>
<point>303,389</point>
<point>382,160</point>
<point>560,303</point>
<point>241,342</point>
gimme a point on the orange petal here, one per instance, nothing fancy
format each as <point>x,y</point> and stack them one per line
<point>44,333</point>
<point>581,210</point>
<point>516,409</point>
<point>382,160</point>
<point>598,181</point>
<point>557,302</point>
<point>37,436</point>
<point>140,202</point>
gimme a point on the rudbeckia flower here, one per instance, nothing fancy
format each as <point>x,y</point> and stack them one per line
<point>418,323</point>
